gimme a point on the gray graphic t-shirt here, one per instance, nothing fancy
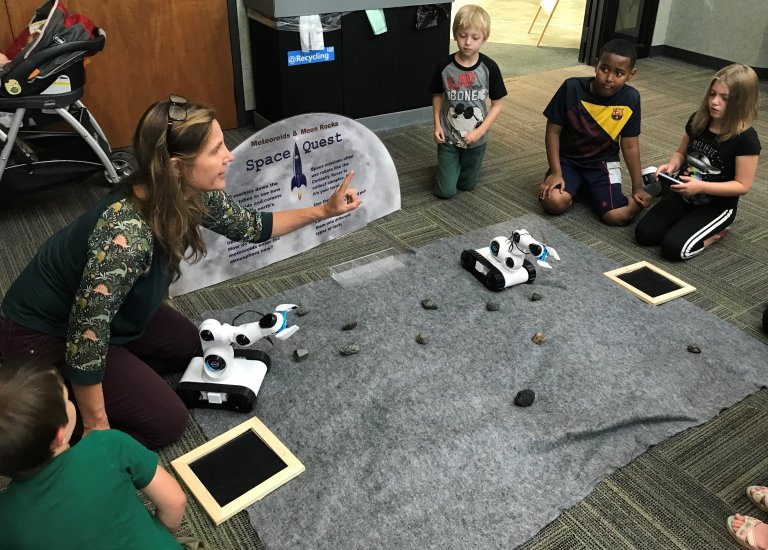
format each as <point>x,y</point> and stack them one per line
<point>465,93</point>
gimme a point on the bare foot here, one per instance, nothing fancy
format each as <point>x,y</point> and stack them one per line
<point>760,531</point>
<point>714,238</point>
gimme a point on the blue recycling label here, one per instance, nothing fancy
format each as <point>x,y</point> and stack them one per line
<point>298,57</point>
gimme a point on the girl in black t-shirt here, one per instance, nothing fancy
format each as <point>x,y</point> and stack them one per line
<point>716,161</point>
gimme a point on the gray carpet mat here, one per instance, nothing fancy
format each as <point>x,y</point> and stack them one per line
<point>416,446</point>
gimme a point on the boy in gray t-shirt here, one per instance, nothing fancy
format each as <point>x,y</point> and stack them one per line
<point>461,86</point>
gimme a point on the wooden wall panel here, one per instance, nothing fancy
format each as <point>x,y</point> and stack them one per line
<point>153,48</point>
<point>6,36</point>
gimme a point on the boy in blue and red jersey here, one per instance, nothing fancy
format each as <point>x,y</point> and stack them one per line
<point>589,120</point>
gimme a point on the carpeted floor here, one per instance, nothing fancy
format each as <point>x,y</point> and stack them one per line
<point>518,60</point>
<point>674,496</point>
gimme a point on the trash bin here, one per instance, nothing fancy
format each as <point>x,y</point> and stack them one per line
<point>358,73</point>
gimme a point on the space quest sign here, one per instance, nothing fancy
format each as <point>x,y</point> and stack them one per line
<point>297,163</point>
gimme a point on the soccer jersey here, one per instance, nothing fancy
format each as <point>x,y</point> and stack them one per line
<point>465,92</point>
<point>592,125</point>
<point>708,159</point>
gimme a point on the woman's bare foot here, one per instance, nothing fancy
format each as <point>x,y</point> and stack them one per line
<point>712,239</point>
<point>760,531</point>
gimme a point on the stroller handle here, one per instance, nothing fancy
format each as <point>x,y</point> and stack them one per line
<point>23,70</point>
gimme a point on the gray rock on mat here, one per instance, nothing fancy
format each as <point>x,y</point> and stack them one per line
<point>492,306</point>
<point>525,398</point>
<point>349,325</point>
<point>428,304</point>
<point>535,297</point>
<point>538,338</point>
<point>693,348</point>
<point>349,349</point>
<point>302,311</point>
<point>300,354</point>
<point>422,338</point>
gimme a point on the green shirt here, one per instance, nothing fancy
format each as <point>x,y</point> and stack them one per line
<point>85,498</point>
<point>100,280</point>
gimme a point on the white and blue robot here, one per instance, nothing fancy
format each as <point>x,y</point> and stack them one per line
<point>228,378</point>
<point>503,263</point>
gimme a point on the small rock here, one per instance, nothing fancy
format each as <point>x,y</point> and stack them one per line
<point>525,398</point>
<point>349,349</point>
<point>538,338</point>
<point>492,306</point>
<point>535,297</point>
<point>302,311</point>
<point>349,325</point>
<point>300,354</point>
<point>428,304</point>
<point>422,338</point>
<point>693,348</point>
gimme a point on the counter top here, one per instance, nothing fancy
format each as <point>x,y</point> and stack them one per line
<point>289,8</point>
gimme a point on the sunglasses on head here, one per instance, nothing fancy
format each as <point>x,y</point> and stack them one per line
<point>177,112</point>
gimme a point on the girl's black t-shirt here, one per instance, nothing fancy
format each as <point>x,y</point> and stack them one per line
<point>708,159</point>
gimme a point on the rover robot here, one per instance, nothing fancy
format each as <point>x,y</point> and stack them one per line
<point>228,378</point>
<point>503,264</point>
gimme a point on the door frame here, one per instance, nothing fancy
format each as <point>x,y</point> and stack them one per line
<point>600,23</point>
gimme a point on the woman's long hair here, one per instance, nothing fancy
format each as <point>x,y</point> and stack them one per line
<point>172,212</point>
<point>743,102</point>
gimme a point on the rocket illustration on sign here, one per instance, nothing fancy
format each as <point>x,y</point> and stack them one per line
<point>298,178</point>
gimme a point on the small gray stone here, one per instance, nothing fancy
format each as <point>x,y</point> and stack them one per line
<point>349,325</point>
<point>538,338</point>
<point>535,297</point>
<point>428,304</point>
<point>349,349</point>
<point>492,306</point>
<point>525,398</point>
<point>422,338</point>
<point>300,354</point>
<point>693,348</point>
<point>302,311</point>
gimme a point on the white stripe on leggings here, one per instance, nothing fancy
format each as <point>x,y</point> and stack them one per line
<point>686,252</point>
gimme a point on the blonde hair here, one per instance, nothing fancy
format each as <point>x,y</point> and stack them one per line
<point>743,102</point>
<point>469,16</point>
<point>173,215</point>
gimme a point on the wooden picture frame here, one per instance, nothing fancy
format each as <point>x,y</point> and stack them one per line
<point>681,288</point>
<point>187,466</point>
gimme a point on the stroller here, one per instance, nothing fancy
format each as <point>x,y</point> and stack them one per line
<point>42,85</point>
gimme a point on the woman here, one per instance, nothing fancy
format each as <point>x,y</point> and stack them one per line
<point>95,289</point>
<point>717,161</point>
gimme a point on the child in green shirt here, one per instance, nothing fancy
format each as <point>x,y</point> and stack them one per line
<point>79,497</point>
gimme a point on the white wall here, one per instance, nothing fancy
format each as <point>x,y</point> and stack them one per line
<point>735,30</point>
<point>662,22</point>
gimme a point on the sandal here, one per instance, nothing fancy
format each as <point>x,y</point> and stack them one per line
<point>757,494</point>
<point>745,536</point>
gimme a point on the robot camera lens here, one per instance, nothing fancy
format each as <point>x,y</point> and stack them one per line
<point>495,248</point>
<point>206,335</point>
<point>268,321</point>
<point>215,363</point>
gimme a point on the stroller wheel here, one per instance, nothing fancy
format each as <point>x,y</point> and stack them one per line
<point>124,163</point>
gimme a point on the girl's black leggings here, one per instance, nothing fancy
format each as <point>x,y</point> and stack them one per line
<point>680,228</point>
